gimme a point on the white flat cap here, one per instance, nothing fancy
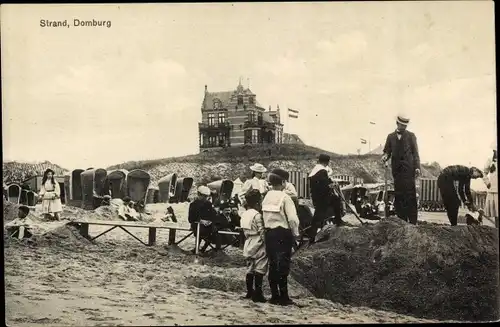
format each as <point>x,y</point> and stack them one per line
<point>204,190</point>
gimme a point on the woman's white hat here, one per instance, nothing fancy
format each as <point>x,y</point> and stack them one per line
<point>403,119</point>
<point>204,190</point>
<point>258,168</point>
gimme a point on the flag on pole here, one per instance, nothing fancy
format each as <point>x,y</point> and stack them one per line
<point>292,113</point>
<point>363,141</point>
<point>372,123</point>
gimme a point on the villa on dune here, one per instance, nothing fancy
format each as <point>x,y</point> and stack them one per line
<point>232,118</point>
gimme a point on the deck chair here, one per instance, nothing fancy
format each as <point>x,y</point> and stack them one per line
<point>219,237</point>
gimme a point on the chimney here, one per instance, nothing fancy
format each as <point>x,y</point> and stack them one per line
<point>206,89</point>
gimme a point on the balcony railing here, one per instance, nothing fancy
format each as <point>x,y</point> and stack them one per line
<point>258,123</point>
<point>217,125</point>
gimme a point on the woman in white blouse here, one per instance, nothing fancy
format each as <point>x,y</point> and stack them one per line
<point>257,182</point>
<point>491,181</point>
<point>50,193</point>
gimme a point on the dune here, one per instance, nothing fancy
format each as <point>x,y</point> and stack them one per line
<point>430,271</point>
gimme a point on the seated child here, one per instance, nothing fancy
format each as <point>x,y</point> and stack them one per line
<point>18,229</point>
<point>254,249</point>
<point>126,210</point>
<point>170,215</point>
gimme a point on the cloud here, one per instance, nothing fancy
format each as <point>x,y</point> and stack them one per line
<point>129,106</point>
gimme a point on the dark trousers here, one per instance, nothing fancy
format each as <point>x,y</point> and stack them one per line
<point>279,242</point>
<point>405,197</point>
<point>319,217</point>
<point>451,201</point>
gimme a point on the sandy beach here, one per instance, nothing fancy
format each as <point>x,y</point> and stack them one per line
<point>59,278</point>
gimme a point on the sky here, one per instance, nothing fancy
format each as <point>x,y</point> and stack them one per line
<point>95,96</point>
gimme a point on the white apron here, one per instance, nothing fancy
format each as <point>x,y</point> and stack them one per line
<point>491,205</point>
<point>254,244</point>
<point>51,201</point>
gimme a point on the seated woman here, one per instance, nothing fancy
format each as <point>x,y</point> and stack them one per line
<point>228,220</point>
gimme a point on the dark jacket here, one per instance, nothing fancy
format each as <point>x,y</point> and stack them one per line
<point>320,190</point>
<point>201,209</point>
<point>403,153</point>
<point>463,175</point>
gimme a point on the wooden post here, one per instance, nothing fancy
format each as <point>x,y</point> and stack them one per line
<point>197,239</point>
<point>218,241</point>
<point>152,236</point>
<point>242,239</point>
<point>171,236</point>
<point>84,230</point>
<point>386,196</point>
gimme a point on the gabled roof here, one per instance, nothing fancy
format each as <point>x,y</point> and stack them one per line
<point>224,97</point>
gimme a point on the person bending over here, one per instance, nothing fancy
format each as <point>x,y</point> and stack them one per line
<point>446,184</point>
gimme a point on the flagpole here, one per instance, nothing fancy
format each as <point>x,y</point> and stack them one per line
<point>370,137</point>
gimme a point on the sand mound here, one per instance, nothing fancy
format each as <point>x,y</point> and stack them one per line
<point>66,236</point>
<point>9,210</point>
<point>428,271</point>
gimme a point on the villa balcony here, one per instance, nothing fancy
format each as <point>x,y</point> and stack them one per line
<point>214,127</point>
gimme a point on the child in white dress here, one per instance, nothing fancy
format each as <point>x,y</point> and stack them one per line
<point>254,249</point>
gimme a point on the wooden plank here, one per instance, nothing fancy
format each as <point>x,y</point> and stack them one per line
<point>228,233</point>
<point>132,224</point>
<point>152,236</point>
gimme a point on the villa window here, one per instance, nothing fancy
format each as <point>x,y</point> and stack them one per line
<point>255,136</point>
<point>212,140</point>
<point>211,119</point>
<point>251,100</point>
<point>248,137</point>
<point>240,100</point>
<point>222,118</point>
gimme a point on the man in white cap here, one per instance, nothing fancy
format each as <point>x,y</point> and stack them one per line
<point>201,210</point>
<point>401,147</point>
<point>256,182</point>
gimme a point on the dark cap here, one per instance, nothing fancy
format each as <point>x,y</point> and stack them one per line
<point>323,158</point>
<point>282,173</point>
<point>253,197</point>
<point>275,179</point>
<point>24,208</point>
<point>126,199</point>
